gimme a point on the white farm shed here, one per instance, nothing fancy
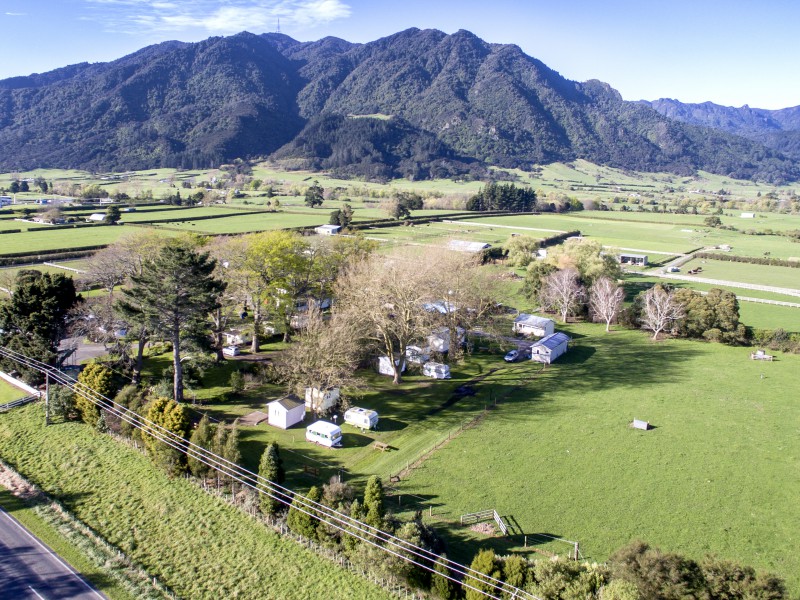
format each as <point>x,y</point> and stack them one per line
<point>436,370</point>
<point>328,229</point>
<point>549,348</point>
<point>96,217</point>
<point>465,246</point>
<point>285,412</point>
<point>385,366</point>
<point>236,337</point>
<point>318,400</point>
<point>439,340</point>
<point>748,215</point>
<point>532,325</point>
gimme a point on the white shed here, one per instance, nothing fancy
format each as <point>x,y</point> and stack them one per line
<point>549,348</point>
<point>96,217</point>
<point>285,412</point>
<point>748,215</point>
<point>436,370</point>
<point>466,246</point>
<point>328,229</point>
<point>385,365</point>
<point>532,325</point>
<point>236,337</point>
<point>318,400</point>
<point>439,340</point>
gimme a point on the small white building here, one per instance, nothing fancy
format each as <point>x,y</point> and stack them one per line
<point>439,340</point>
<point>436,370</point>
<point>318,400</point>
<point>236,337</point>
<point>633,259</point>
<point>748,215</point>
<point>96,217</point>
<point>417,355</point>
<point>385,365</point>
<point>549,348</point>
<point>285,412</point>
<point>328,229</point>
<point>363,418</point>
<point>532,325</point>
<point>465,246</point>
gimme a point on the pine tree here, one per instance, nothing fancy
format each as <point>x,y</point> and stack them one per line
<point>271,468</point>
<point>373,502</point>
<point>171,416</point>
<point>484,562</point>
<point>99,379</point>
<point>201,436</point>
<point>301,518</point>
<point>442,588</point>
<point>102,426</point>
<point>231,450</point>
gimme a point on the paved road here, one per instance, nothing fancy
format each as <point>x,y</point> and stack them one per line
<point>30,570</point>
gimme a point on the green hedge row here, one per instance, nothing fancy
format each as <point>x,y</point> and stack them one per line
<point>754,260</point>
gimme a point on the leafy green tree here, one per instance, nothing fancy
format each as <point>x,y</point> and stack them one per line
<point>342,216</point>
<point>102,425</point>
<point>100,379</point>
<point>515,572</point>
<point>442,587</point>
<point>712,221</point>
<point>133,398</point>
<point>503,196</point>
<point>657,575</point>
<point>619,589</point>
<point>727,580</point>
<point>62,402</point>
<point>231,451</point>
<point>302,519</point>
<point>314,195</point>
<point>14,188</point>
<point>373,502</point>
<point>113,215</point>
<point>202,436</point>
<point>171,416</point>
<point>485,563</point>
<point>520,250</point>
<point>271,468</point>
<point>533,285</point>
<point>24,187</point>
<point>34,319</point>
<point>173,294</point>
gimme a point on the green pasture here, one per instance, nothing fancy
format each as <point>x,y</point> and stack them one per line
<point>238,223</point>
<point>67,238</point>
<point>8,392</point>
<point>438,233</point>
<point>785,277</point>
<point>158,521</point>
<point>716,475</point>
<point>769,316</point>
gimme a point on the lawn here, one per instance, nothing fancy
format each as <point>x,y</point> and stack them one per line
<point>785,277</point>
<point>718,474</point>
<point>159,522</point>
<point>8,392</point>
<point>56,239</point>
<point>239,223</point>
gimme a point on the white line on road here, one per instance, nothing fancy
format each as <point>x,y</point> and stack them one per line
<point>38,595</point>
<point>50,552</point>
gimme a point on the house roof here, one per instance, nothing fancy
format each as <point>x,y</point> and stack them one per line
<point>442,307</point>
<point>465,246</point>
<point>553,340</point>
<point>532,320</point>
<point>289,402</point>
<point>629,255</point>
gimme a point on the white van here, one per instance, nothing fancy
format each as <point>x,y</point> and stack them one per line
<point>362,418</point>
<point>324,434</point>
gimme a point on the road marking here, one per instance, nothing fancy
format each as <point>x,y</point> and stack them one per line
<point>50,552</point>
<point>38,595</point>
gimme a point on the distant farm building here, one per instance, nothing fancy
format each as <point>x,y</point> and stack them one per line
<point>549,348</point>
<point>285,412</point>
<point>417,355</point>
<point>747,215</point>
<point>236,337</point>
<point>436,370</point>
<point>464,246</point>
<point>328,229</point>
<point>532,325</point>
<point>96,217</point>
<point>633,259</point>
<point>439,340</point>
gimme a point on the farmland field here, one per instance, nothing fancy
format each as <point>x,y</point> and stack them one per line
<point>34,241</point>
<point>717,474</point>
<point>239,223</point>
<point>8,392</point>
<point>159,521</point>
<point>784,277</point>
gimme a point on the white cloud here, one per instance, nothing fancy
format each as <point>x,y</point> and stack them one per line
<point>214,16</point>
<point>13,14</point>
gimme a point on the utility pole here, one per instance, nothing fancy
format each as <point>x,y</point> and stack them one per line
<point>47,399</point>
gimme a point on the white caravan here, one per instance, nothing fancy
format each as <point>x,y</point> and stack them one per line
<point>324,434</point>
<point>363,418</point>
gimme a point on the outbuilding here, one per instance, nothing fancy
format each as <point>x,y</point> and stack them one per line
<point>549,348</point>
<point>436,370</point>
<point>236,337</point>
<point>417,355</point>
<point>328,229</point>
<point>96,217</point>
<point>639,260</point>
<point>532,325</point>
<point>385,365</point>
<point>439,339</point>
<point>465,246</point>
<point>285,412</point>
<point>318,400</point>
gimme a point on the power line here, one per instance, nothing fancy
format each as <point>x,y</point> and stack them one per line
<point>339,521</point>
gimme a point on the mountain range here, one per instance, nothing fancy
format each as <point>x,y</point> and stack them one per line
<point>419,103</point>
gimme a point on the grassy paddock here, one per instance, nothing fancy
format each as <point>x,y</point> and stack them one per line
<point>9,393</point>
<point>158,522</point>
<point>716,475</point>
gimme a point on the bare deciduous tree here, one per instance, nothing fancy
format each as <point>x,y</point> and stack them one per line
<point>382,298</point>
<point>661,309</point>
<point>563,291</point>
<point>605,300</point>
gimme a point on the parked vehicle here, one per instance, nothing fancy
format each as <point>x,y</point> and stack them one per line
<point>324,433</point>
<point>511,356</point>
<point>363,418</point>
<point>230,350</point>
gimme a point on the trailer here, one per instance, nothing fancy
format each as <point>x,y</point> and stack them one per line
<point>363,418</point>
<point>436,370</point>
<point>324,433</point>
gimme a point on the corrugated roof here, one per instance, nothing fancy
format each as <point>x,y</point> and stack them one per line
<point>532,320</point>
<point>464,246</point>
<point>553,340</point>
<point>289,402</point>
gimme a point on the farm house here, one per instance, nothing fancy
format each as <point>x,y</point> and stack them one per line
<point>286,411</point>
<point>549,348</point>
<point>318,400</point>
<point>436,370</point>
<point>532,325</point>
<point>328,229</point>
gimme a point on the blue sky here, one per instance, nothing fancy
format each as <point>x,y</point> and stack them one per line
<point>729,52</point>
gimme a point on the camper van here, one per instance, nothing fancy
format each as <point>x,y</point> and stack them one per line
<point>324,434</point>
<point>436,370</point>
<point>363,418</point>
